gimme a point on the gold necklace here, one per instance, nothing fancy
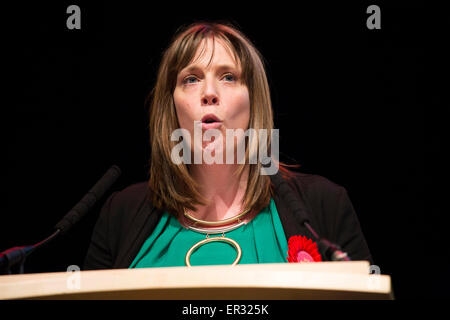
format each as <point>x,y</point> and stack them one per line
<point>214,239</point>
<point>215,231</point>
<point>216,223</point>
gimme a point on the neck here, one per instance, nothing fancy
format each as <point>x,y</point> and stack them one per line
<point>224,190</point>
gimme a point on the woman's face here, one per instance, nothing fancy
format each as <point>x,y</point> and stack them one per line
<point>215,89</point>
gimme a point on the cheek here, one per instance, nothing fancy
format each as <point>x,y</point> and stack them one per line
<point>183,110</point>
<point>240,109</point>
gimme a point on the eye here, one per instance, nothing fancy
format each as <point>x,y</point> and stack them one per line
<point>229,77</point>
<point>190,79</point>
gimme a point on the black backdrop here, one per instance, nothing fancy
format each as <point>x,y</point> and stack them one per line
<point>349,102</point>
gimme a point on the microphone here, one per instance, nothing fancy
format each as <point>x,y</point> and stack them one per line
<point>88,201</point>
<point>331,251</point>
<point>17,255</point>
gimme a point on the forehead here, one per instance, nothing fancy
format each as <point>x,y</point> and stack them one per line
<point>214,51</point>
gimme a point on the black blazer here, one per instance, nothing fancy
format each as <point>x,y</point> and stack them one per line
<point>128,218</point>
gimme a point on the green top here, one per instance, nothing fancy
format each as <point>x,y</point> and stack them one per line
<point>262,240</point>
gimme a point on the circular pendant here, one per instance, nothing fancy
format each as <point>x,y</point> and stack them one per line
<point>207,240</point>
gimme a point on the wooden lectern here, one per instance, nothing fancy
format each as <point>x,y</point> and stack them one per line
<point>280,281</point>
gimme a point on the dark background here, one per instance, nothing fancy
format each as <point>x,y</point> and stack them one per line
<point>357,106</point>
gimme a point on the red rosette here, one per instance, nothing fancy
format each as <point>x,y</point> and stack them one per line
<point>302,249</point>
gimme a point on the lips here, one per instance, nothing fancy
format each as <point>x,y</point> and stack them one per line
<point>209,118</point>
<point>211,121</point>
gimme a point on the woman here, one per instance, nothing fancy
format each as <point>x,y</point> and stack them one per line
<point>199,212</point>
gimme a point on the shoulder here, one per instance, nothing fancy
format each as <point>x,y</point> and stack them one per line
<point>326,200</point>
<point>131,194</point>
<point>123,204</point>
<point>331,213</point>
<point>315,187</point>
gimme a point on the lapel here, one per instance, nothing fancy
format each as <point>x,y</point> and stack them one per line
<point>289,220</point>
<point>144,223</point>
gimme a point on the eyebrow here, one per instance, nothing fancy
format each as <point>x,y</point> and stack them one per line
<point>220,67</point>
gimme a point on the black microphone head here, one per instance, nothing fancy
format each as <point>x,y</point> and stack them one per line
<point>108,179</point>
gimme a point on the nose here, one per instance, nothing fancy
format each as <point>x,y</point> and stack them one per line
<point>209,100</point>
<point>209,95</point>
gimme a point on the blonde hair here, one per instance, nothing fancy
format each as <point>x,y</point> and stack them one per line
<point>171,186</point>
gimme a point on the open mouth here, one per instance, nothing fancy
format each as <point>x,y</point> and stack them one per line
<point>210,118</point>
